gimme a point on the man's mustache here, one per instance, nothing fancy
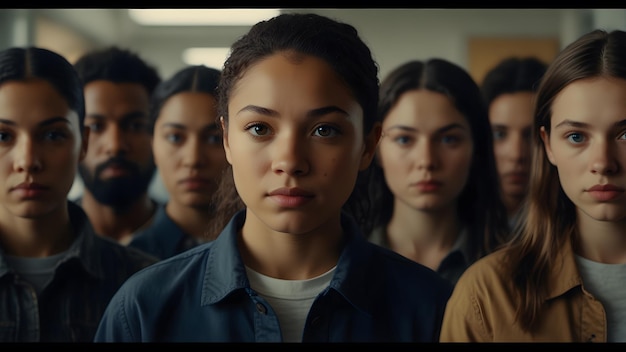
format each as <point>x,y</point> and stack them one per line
<point>117,162</point>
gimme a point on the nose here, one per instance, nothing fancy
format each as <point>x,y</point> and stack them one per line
<point>518,147</point>
<point>26,157</point>
<point>425,154</point>
<point>193,153</point>
<point>289,155</point>
<point>114,140</point>
<point>602,157</point>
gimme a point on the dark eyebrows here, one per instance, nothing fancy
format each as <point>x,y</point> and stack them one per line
<point>44,123</point>
<point>130,116</point>
<point>313,113</point>
<point>584,125</point>
<point>326,110</point>
<point>440,130</point>
<point>571,124</point>
<point>210,127</point>
<point>258,110</point>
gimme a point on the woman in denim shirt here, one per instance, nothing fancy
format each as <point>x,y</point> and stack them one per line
<point>56,274</point>
<point>189,154</point>
<point>298,98</point>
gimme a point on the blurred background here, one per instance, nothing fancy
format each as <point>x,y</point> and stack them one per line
<point>169,39</point>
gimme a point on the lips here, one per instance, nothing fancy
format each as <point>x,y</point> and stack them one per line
<point>605,193</point>
<point>290,197</point>
<point>605,188</point>
<point>194,183</point>
<point>30,190</point>
<point>291,192</point>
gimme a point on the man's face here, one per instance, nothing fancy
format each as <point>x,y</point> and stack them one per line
<point>119,165</point>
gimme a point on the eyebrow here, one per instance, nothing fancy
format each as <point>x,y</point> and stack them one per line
<point>443,129</point>
<point>313,113</point>
<point>47,122</point>
<point>131,115</point>
<point>211,127</point>
<point>577,124</point>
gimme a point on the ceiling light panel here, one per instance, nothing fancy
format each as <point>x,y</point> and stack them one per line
<point>200,17</point>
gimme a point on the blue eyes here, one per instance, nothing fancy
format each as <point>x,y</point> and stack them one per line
<point>575,138</point>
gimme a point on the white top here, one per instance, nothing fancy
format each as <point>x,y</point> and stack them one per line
<point>290,299</point>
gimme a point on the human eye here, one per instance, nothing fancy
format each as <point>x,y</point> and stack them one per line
<point>138,125</point>
<point>575,137</point>
<point>499,135</point>
<point>326,131</point>
<point>623,135</point>
<point>5,137</point>
<point>258,129</point>
<point>450,139</point>
<point>55,135</point>
<point>214,139</point>
<point>95,126</point>
<point>173,138</point>
<point>402,140</point>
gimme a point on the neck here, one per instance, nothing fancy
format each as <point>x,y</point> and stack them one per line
<point>36,237</point>
<point>192,220</point>
<point>118,225</point>
<point>601,241</point>
<point>290,256</point>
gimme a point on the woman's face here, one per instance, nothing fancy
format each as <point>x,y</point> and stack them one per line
<point>426,151</point>
<point>295,142</point>
<point>40,148</point>
<point>511,118</point>
<point>188,148</point>
<point>587,145</point>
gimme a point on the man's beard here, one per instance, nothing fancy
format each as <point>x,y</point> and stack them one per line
<point>118,192</point>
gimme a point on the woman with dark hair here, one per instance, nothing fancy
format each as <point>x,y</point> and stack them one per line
<point>189,155</point>
<point>561,277</point>
<point>298,97</point>
<point>56,274</point>
<point>509,92</point>
<point>436,186</point>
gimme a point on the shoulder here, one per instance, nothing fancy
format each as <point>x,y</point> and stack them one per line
<point>405,272</point>
<point>488,279</point>
<point>126,256</point>
<point>187,266</point>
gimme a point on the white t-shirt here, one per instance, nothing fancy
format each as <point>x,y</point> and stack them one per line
<point>290,299</point>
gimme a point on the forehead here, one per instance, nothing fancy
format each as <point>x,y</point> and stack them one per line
<point>424,109</point>
<point>101,93</point>
<point>591,100</point>
<point>32,101</point>
<point>282,80</point>
<point>189,108</point>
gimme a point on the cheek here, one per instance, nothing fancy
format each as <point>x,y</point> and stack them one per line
<point>163,153</point>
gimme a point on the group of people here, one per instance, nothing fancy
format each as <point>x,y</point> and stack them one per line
<point>310,201</point>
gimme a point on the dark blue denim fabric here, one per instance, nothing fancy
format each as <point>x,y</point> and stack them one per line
<point>163,238</point>
<point>203,295</point>
<point>71,305</point>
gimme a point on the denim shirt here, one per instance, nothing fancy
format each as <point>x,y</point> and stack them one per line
<point>163,238</point>
<point>71,305</point>
<point>204,295</point>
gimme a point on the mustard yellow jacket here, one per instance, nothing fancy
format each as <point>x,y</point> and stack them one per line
<point>482,306</point>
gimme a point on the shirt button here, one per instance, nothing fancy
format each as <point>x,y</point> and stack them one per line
<point>261,308</point>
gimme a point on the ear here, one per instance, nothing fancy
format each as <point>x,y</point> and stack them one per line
<point>84,143</point>
<point>371,144</point>
<point>224,127</point>
<point>546,144</point>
